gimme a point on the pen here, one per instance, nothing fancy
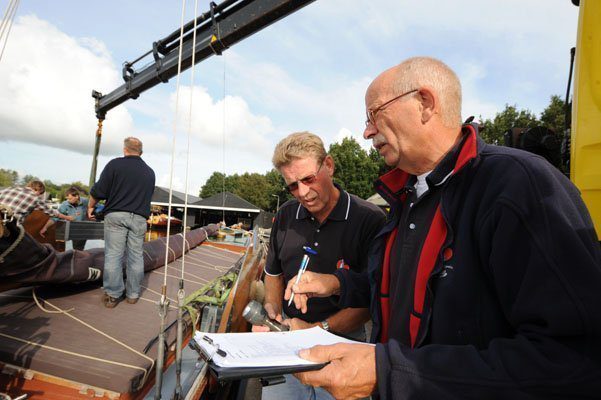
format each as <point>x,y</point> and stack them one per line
<point>302,269</point>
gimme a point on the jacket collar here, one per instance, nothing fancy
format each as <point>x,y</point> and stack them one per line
<point>394,183</point>
<point>340,212</point>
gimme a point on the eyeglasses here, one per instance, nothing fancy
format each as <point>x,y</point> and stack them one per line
<point>371,114</point>
<point>307,180</point>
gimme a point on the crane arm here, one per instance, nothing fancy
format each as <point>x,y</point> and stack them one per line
<point>217,29</point>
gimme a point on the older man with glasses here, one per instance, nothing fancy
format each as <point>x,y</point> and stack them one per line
<point>335,225</point>
<point>484,283</point>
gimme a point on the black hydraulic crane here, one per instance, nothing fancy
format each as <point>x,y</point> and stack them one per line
<point>219,28</point>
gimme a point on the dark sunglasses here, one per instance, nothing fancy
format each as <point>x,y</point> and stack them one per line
<point>307,180</point>
<point>371,114</point>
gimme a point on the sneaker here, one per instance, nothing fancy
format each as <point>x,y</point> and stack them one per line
<point>132,300</point>
<point>111,302</point>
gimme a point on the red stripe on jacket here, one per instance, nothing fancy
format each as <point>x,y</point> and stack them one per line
<point>435,239</point>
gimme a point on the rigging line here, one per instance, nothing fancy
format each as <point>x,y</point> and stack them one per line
<point>196,276</point>
<point>216,264</point>
<point>106,335</point>
<point>193,69</point>
<point>177,86</point>
<point>208,246</point>
<point>9,23</point>
<point>5,17</point>
<point>104,360</point>
<point>158,293</point>
<point>179,278</point>
<point>163,304</point>
<point>199,264</point>
<point>223,150</point>
<point>219,256</point>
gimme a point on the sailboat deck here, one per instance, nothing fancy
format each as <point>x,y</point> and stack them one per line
<point>76,338</point>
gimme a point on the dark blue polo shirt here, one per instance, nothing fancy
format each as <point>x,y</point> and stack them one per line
<point>127,184</point>
<point>344,236</point>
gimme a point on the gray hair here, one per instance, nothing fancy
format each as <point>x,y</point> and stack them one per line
<point>417,72</point>
<point>133,145</point>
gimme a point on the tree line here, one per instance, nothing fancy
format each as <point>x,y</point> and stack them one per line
<point>356,168</point>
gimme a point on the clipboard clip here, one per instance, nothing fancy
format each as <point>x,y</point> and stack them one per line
<point>206,354</point>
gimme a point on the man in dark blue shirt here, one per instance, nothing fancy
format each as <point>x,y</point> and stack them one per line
<point>127,184</point>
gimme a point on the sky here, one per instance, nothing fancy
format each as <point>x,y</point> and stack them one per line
<point>307,72</point>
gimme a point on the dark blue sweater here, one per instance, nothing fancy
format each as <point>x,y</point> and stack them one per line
<point>514,312</point>
<point>127,184</point>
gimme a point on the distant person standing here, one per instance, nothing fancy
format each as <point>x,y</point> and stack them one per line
<point>74,206</point>
<point>127,184</point>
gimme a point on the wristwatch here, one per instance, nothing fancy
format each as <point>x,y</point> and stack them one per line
<point>325,325</point>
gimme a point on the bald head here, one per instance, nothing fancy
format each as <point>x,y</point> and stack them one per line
<point>414,114</point>
<point>419,72</point>
<point>132,146</point>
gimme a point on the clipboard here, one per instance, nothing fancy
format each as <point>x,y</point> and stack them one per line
<point>225,374</point>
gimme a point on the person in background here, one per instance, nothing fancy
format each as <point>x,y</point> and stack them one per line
<point>23,200</point>
<point>127,184</point>
<point>484,283</point>
<point>74,206</point>
<point>335,225</point>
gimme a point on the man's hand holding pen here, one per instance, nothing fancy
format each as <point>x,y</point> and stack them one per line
<point>311,284</point>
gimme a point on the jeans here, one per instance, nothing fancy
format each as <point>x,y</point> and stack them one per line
<point>123,231</point>
<point>293,389</point>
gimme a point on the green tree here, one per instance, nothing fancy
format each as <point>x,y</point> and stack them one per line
<point>493,130</point>
<point>8,177</point>
<point>277,191</point>
<point>216,183</point>
<point>254,188</point>
<point>553,117</point>
<point>27,178</point>
<point>377,159</point>
<point>355,169</point>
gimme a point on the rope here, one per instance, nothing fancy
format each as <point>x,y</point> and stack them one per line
<point>155,292</point>
<point>223,151</point>
<point>67,313</point>
<point>213,252</point>
<point>7,23</point>
<point>14,245</point>
<point>179,71</point>
<point>189,132</point>
<point>177,277</point>
<point>104,360</point>
<point>197,276</point>
<point>210,267</point>
<point>41,307</point>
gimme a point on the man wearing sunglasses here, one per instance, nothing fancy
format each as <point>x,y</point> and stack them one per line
<point>484,283</point>
<point>335,225</point>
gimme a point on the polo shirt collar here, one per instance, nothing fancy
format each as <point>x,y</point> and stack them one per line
<point>340,212</point>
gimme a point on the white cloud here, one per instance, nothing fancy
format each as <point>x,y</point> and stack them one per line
<point>165,179</point>
<point>46,80</point>
<point>243,129</point>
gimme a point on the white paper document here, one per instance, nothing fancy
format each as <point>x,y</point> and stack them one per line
<point>264,349</point>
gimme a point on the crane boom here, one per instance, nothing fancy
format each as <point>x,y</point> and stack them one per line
<point>217,29</point>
